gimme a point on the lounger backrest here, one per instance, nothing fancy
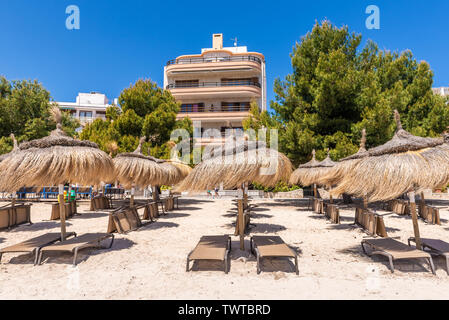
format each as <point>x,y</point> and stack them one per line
<point>370,222</point>
<point>332,213</point>
<point>124,221</point>
<point>4,218</point>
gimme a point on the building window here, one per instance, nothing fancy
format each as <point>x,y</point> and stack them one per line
<point>186,83</point>
<point>193,107</point>
<point>235,106</point>
<point>85,114</point>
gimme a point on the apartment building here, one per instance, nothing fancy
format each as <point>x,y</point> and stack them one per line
<point>215,88</point>
<point>88,107</point>
<point>443,91</point>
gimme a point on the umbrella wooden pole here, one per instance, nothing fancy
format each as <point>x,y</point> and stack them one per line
<point>365,203</point>
<point>241,224</point>
<point>423,201</point>
<point>245,195</point>
<point>62,211</point>
<point>154,193</point>
<point>415,219</point>
<point>315,195</point>
<point>131,202</point>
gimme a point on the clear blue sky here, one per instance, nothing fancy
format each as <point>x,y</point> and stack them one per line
<point>122,41</point>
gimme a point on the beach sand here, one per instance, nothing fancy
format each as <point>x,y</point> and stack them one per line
<point>150,263</point>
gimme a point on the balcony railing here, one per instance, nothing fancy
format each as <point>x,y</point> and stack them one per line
<point>214,59</point>
<point>214,84</point>
<point>196,109</point>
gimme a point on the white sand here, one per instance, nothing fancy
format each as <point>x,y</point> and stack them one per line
<point>150,263</point>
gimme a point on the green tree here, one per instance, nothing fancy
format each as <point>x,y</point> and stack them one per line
<point>338,88</point>
<point>146,110</point>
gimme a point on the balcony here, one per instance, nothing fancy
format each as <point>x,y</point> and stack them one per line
<point>194,84</point>
<point>214,59</point>
<point>198,65</point>
<point>206,90</point>
<point>196,109</point>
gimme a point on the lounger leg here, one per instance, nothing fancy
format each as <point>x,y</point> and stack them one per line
<point>364,250</point>
<point>112,241</point>
<point>75,256</point>
<point>432,267</point>
<point>40,258</point>
<point>258,261</point>
<point>447,265</point>
<point>1,257</point>
<point>296,265</point>
<point>187,266</point>
<point>36,255</point>
<point>391,264</point>
<point>226,262</point>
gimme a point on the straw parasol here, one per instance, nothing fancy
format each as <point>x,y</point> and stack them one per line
<point>313,171</point>
<point>55,159</point>
<point>249,161</point>
<point>405,164</point>
<point>135,169</point>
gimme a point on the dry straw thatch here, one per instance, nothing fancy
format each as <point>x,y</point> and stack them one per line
<point>246,161</point>
<point>311,172</point>
<point>403,164</point>
<point>55,160</point>
<point>338,172</point>
<point>136,169</point>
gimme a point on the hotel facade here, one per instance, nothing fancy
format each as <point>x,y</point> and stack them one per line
<point>215,88</point>
<point>87,107</point>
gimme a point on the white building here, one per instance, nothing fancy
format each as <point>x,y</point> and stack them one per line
<point>443,91</point>
<point>88,107</point>
<point>215,88</point>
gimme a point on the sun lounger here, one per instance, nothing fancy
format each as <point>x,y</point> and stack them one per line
<point>88,240</point>
<point>331,212</point>
<point>124,220</point>
<point>271,247</point>
<point>34,245</point>
<point>436,247</point>
<point>14,216</point>
<point>395,250</point>
<point>211,248</point>
<point>371,222</point>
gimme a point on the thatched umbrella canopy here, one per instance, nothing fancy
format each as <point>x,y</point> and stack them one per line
<point>312,172</point>
<point>248,162</point>
<point>406,163</point>
<point>182,170</point>
<point>56,159</point>
<point>136,169</point>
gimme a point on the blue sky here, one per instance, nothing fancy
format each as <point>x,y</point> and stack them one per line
<point>122,41</point>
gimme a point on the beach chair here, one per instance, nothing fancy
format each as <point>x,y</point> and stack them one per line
<point>436,247</point>
<point>211,248</point>
<point>271,247</point>
<point>11,217</point>
<point>429,214</point>
<point>124,221</point>
<point>34,245</point>
<point>151,211</point>
<point>370,222</point>
<point>395,250</point>
<point>74,245</point>
<point>332,213</point>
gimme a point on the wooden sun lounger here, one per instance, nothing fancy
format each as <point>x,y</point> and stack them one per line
<point>88,240</point>
<point>211,248</point>
<point>271,246</point>
<point>436,247</point>
<point>395,250</point>
<point>34,245</point>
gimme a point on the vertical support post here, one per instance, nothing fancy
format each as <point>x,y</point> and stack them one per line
<point>62,211</point>
<point>415,219</point>
<point>315,193</point>
<point>365,203</point>
<point>131,202</point>
<point>241,222</point>
<point>245,195</point>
